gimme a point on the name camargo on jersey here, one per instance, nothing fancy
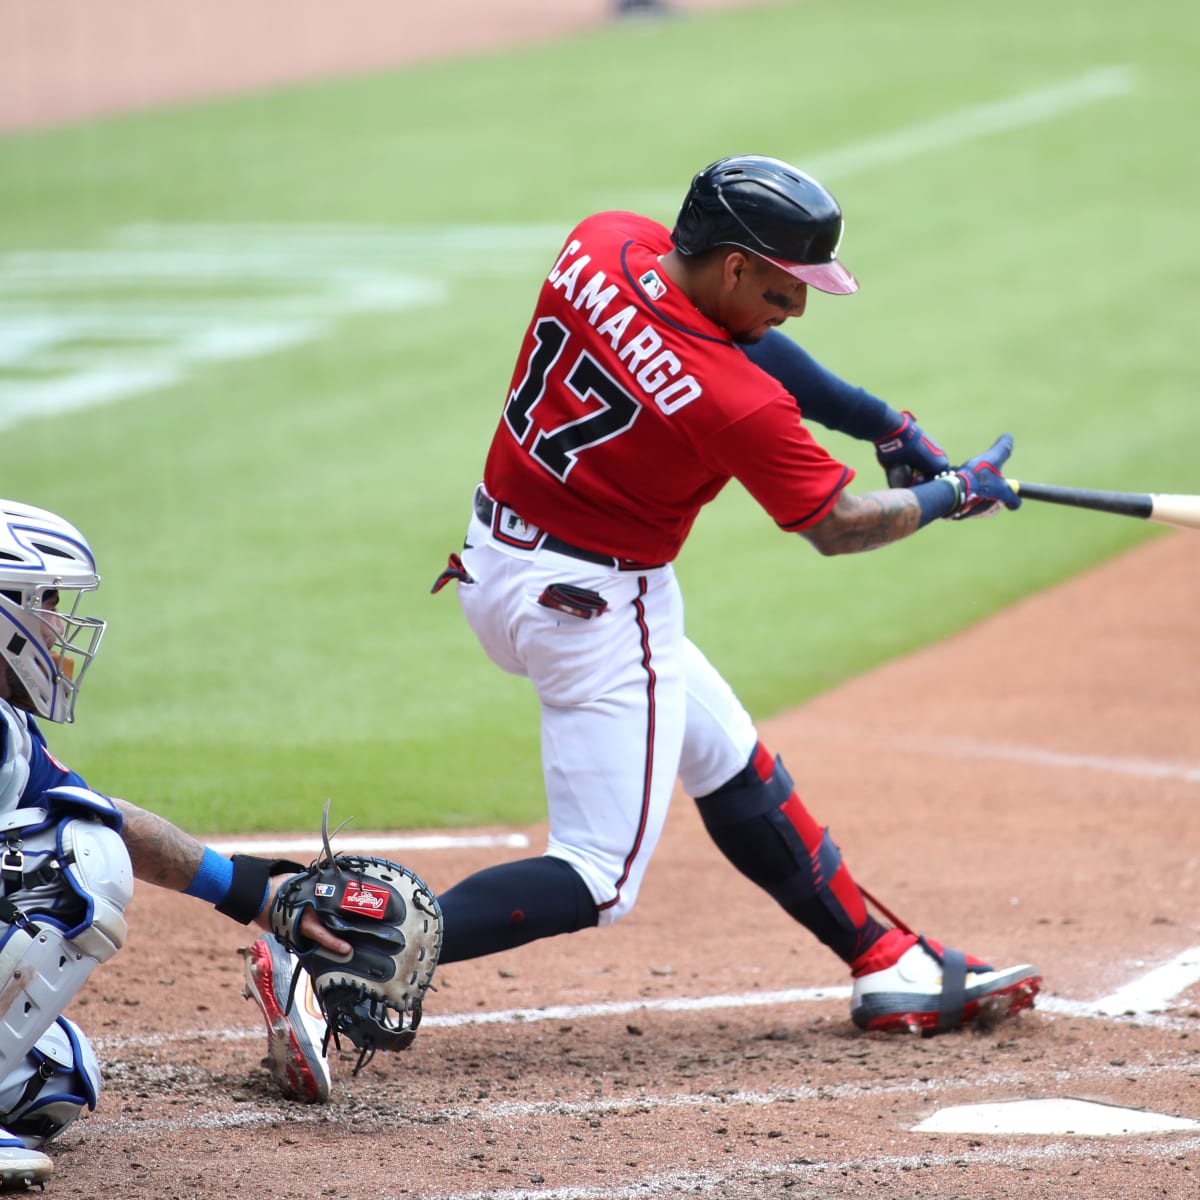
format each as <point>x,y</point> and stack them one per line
<point>628,409</point>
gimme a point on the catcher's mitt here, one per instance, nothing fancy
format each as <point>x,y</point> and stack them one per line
<point>394,924</point>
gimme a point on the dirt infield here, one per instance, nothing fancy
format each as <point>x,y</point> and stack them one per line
<point>703,1046</point>
<point>67,60</point>
<point>691,1050</point>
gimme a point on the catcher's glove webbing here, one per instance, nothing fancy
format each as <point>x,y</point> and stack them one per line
<point>394,924</point>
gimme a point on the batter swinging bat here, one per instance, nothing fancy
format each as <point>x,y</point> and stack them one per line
<point>1183,511</point>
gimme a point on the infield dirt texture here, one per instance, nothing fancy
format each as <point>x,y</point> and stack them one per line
<point>703,1046</point>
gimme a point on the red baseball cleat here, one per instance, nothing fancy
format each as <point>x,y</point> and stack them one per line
<point>295,1036</point>
<point>915,985</point>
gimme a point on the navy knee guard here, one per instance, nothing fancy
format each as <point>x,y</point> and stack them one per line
<point>760,824</point>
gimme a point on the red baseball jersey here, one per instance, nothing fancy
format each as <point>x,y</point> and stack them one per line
<point>629,410</point>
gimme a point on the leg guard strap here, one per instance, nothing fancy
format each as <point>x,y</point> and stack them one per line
<point>761,825</point>
<point>954,987</point>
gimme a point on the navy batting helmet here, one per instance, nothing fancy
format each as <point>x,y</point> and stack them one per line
<point>771,209</point>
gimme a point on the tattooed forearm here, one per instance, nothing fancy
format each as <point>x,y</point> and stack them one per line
<point>867,522</point>
<point>161,852</point>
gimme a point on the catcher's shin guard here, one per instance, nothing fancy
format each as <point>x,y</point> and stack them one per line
<point>761,825</point>
<point>51,1087</point>
<point>68,880</point>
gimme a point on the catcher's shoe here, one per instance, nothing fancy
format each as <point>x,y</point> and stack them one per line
<point>294,1036</point>
<point>915,985</point>
<point>19,1166</point>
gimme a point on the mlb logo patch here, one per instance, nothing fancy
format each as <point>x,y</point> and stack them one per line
<point>324,889</point>
<point>367,899</point>
<point>516,526</point>
<point>653,285</point>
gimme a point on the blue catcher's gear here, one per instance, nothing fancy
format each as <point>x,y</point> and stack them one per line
<point>67,880</point>
<point>58,1079</point>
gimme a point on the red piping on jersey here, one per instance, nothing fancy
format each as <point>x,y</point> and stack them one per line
<point>823,507</point>
<point>648,775</point>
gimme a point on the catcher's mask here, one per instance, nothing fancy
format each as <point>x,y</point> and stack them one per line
<point>771,209</point>
<point>46,565</point>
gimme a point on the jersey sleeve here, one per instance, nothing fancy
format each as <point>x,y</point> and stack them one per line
<point>778,461</point>
<point>821,395</point>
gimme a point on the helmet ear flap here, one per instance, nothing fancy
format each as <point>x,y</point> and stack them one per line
<point>702,222</point>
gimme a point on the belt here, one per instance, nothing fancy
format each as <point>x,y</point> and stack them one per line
<point>485,510</point>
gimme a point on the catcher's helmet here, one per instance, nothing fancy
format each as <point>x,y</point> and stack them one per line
<point>46,565</point>
<point>771,209</point>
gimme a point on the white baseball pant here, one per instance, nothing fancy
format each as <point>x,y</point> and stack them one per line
<point>628,703</point>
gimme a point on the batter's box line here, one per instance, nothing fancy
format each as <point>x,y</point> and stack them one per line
<point>1141,1000</point>
<point>1009,1082</point>
<point>375,843</point>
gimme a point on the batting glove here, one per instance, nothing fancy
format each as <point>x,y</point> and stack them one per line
<point>981,487</point>
<point>909,455</point>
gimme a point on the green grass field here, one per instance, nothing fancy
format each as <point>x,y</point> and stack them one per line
<point>300,310</point>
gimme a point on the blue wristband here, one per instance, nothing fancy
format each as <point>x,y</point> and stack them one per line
<point>213,878</point>
<point>937,498</point>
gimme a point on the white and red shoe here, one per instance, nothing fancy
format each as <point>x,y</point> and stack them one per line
<point>295,1035</point>
<point>915,985</point>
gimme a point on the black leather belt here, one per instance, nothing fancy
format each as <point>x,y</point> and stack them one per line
<point>485,510</point>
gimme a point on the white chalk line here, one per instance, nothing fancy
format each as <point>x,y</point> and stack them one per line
<point>1150,989</point>
<point>284,286</point>
<point>372,843</point>
<point>954,129</point>
<point>1141,1001</point>
<point>1138,767</point>
<point>1015,1082</point>
<point>1033,756</point>
<point>981,120</point>
<point>1143,1147</point>
<point>966,748</point>
<point>1154,991</point>
<point>706,1182</point>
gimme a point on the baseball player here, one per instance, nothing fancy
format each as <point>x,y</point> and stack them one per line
<point>68,853</point>
<point>649,377</point>
<point>651,374</point>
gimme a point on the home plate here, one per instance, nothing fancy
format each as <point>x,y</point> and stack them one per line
<point>1051,1116</point>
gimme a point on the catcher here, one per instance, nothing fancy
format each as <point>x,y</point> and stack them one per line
<point>69,855</point>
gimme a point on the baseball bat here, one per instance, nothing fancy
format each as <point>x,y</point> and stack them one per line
<point>1166,509</point>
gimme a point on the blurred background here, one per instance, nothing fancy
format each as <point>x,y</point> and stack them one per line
<point>264,271</point>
